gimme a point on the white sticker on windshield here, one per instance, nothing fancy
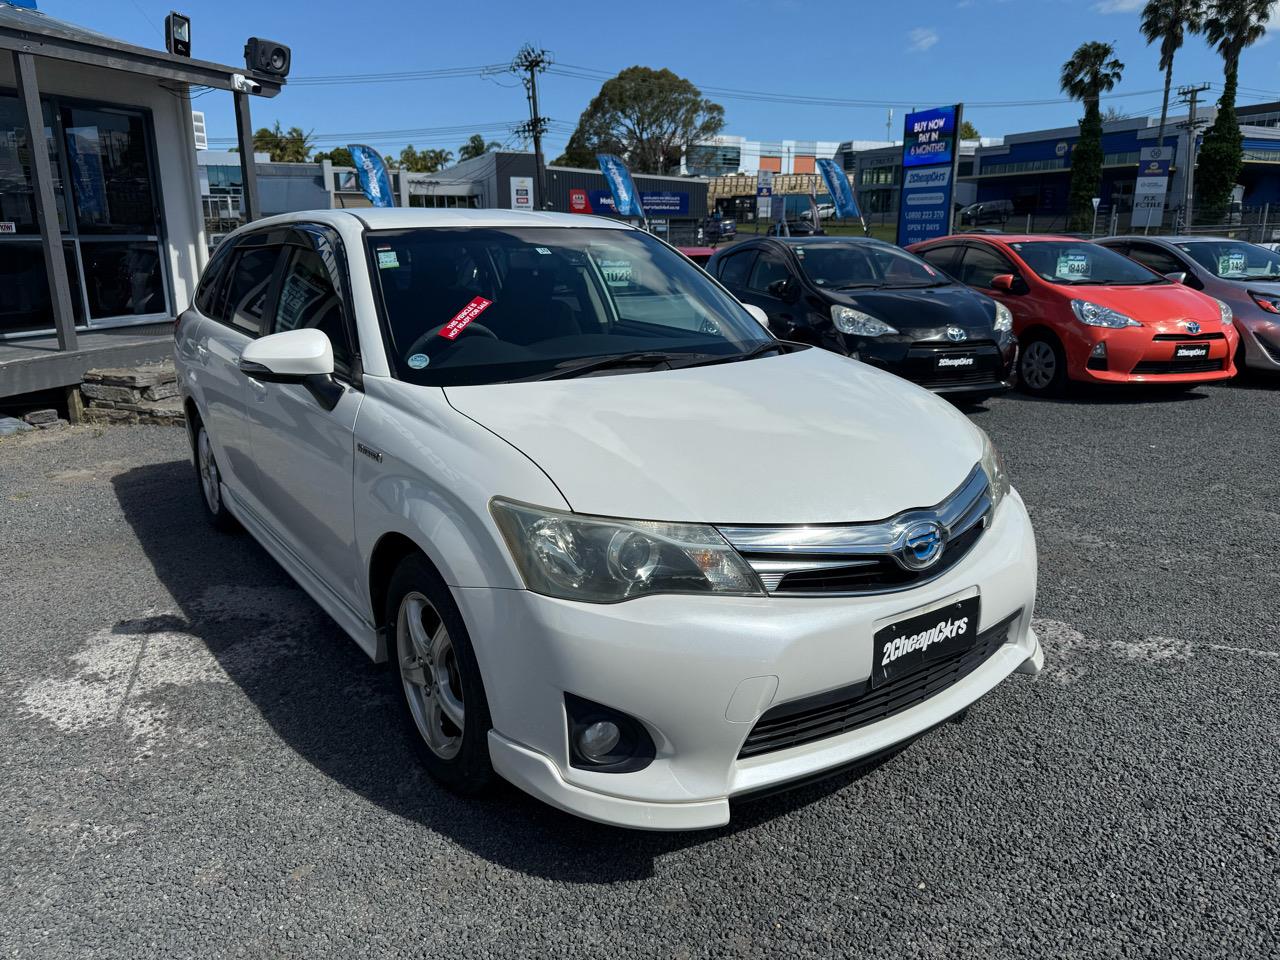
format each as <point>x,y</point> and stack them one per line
<point>1072,266</point>
<point>418,361</point>
<point>543,250</point>
<point>387,259</point>
<point>1233,262</point>
<point>617,273</point>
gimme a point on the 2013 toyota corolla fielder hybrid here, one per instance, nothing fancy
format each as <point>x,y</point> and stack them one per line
<point>621,546</point>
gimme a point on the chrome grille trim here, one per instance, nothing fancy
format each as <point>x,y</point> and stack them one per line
<point>775,552</point>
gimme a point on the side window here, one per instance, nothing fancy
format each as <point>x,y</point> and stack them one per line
<point>1161,261</point>
<point>248,288</point>
<point>207,294</point>
<point>735,269</point>
<point>768,268</point>
<point>945,258</point>
<point>307,299</point>
<point>981,264</point>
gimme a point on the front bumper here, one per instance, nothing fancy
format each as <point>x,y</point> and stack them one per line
<point>1261,338</point>
<point>699,671</point>
<point>979,367</point>
<point>1146,356</point>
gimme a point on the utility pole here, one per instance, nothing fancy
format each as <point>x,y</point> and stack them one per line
<point>531,62</point>
<point>1190,96</point>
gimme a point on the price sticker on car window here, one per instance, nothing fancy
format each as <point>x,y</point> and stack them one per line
<point>1072,266</point>
<point>387,259</point>
<point>1234,262</point>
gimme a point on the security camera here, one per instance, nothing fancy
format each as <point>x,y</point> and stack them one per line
<point>242,84</point>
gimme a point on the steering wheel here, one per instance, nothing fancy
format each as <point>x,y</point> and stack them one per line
<point>420,345</point>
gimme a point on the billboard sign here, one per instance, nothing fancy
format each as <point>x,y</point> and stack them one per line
<point>929,166</point>
<point>669,203</point>
<point>764,194</point>
<point>522,193</point>
<point>1151,186</point>
<point>929,137</point>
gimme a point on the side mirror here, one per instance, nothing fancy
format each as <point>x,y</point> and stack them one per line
<point>760,316</point>
<point>784,289</point>
<point>1003,281</point>
<point>1178,276</point>
<point>303,357</point>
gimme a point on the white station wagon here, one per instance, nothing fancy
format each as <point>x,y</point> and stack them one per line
<point>620,545</point>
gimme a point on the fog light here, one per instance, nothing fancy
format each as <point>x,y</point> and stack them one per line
<point>1099,350</point>
<point>598,740</point>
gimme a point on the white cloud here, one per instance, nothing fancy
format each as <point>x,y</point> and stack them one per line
<point>1118,6</point>
<point>922,38</point>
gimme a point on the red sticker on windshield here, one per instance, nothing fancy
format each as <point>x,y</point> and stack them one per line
<point>454,327</point>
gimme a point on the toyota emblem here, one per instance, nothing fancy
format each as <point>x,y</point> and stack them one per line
<point>922,545</point>
<point>955,334</point>
<point>1193,326</point>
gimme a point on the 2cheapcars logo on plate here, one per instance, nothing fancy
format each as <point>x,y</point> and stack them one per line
<point>924,639</point>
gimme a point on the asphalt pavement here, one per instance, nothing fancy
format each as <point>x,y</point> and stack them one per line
<point>195,762</point>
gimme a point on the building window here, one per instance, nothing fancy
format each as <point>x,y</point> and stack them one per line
<point>710,160</point>
<point>878,176</point>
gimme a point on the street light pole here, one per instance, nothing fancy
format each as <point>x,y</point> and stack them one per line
<point>1190,95</point>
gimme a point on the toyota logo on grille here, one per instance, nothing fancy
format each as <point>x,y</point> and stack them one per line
<point>922,545</point>
<point>955,334</point>
<point>1193,326</point>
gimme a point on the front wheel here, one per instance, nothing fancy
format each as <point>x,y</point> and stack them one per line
<point>438,679</point>
<point>1042,368</point>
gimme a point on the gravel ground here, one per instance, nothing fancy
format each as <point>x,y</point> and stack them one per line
<point>195,761</point>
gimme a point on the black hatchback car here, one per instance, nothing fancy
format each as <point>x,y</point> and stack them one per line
<point>877,303</point>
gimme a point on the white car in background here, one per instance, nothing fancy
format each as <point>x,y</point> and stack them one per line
<point>620,546</point>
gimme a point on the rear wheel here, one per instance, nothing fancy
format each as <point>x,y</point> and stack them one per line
<point>438,680</point>
<point>1042,368</point>
<point>209,479</point>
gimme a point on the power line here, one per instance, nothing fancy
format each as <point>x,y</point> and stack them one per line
<point>443,73</point>
<point>532,62</point>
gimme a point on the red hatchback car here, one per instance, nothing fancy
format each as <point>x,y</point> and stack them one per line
<point>1083,312</point>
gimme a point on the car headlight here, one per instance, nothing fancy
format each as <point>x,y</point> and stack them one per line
<point>859,324</point>
<point>602,560</point>
<point>993,467</point>
<point>1096,315</point>
<point>1004,318</point>
<point>1266,301</point>
<point>1224,312</point>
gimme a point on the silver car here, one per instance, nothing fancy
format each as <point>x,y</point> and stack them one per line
<point>1244,275</point>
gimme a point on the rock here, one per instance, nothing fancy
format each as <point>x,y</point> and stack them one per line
<point>106,415</point>
<point>55,424</point>
<point>103,391</point>
<point>38,417</point>
<point>161,391</point>
<point>151,375</point>
<point>11,425</point>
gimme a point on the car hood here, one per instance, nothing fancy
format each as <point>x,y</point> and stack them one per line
<point>924,310</point>
<point>807,437</point>
<point>1163,307</point>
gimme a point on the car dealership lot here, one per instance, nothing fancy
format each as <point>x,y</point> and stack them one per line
<point>196,758</point>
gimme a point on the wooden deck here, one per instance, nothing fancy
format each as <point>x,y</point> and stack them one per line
<point>36,363</point>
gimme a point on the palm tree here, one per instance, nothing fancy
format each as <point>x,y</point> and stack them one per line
<point>1169,21</point>
<point>1230,26</point>
<point>1092,71</point>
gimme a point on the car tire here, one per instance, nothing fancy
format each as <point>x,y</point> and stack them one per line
<point>1042,366</point>
<point>437,679</point>
<point>209,480</point>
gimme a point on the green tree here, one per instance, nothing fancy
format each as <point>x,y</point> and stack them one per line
<point>1230,26</point>
<point>1168,22</point>
<point>285,146</point>
<point>476,147</point>
<point>1092,71</point>
<point>648,117</point>
<point>338,156</point>
<point>968,131</point>
<point>422,161</point>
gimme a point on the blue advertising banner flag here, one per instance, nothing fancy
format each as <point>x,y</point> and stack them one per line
<point>838,186</point>
<point>375,181</point>
<point>625,199</point>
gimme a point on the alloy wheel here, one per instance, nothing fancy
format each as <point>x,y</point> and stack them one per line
<point>430,675</point>
<point>1039,365</point>
<point>210,481</point>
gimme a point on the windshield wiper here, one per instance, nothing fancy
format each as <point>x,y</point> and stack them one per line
<point>758,350</point>
<point>645,358</point>
<point>868,285</point>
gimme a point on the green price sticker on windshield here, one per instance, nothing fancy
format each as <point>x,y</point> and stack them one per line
<point>1234,262</point>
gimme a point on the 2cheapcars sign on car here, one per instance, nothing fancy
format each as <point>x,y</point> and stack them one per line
<point>663,203</point>
<point>928,173</point>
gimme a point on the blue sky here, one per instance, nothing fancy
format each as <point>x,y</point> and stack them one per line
<point>926,53</point>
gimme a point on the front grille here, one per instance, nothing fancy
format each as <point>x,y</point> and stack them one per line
<point>839,711</point>
<point>1178,366</point>
<point>920,365</point>
<point>863,558</point>
<point>1176,337</point>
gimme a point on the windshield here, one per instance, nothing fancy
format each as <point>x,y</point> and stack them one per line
<point>1080,263</point>
<point>839,266</point>
<point>1233,259</point>
<point>473,306</point>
